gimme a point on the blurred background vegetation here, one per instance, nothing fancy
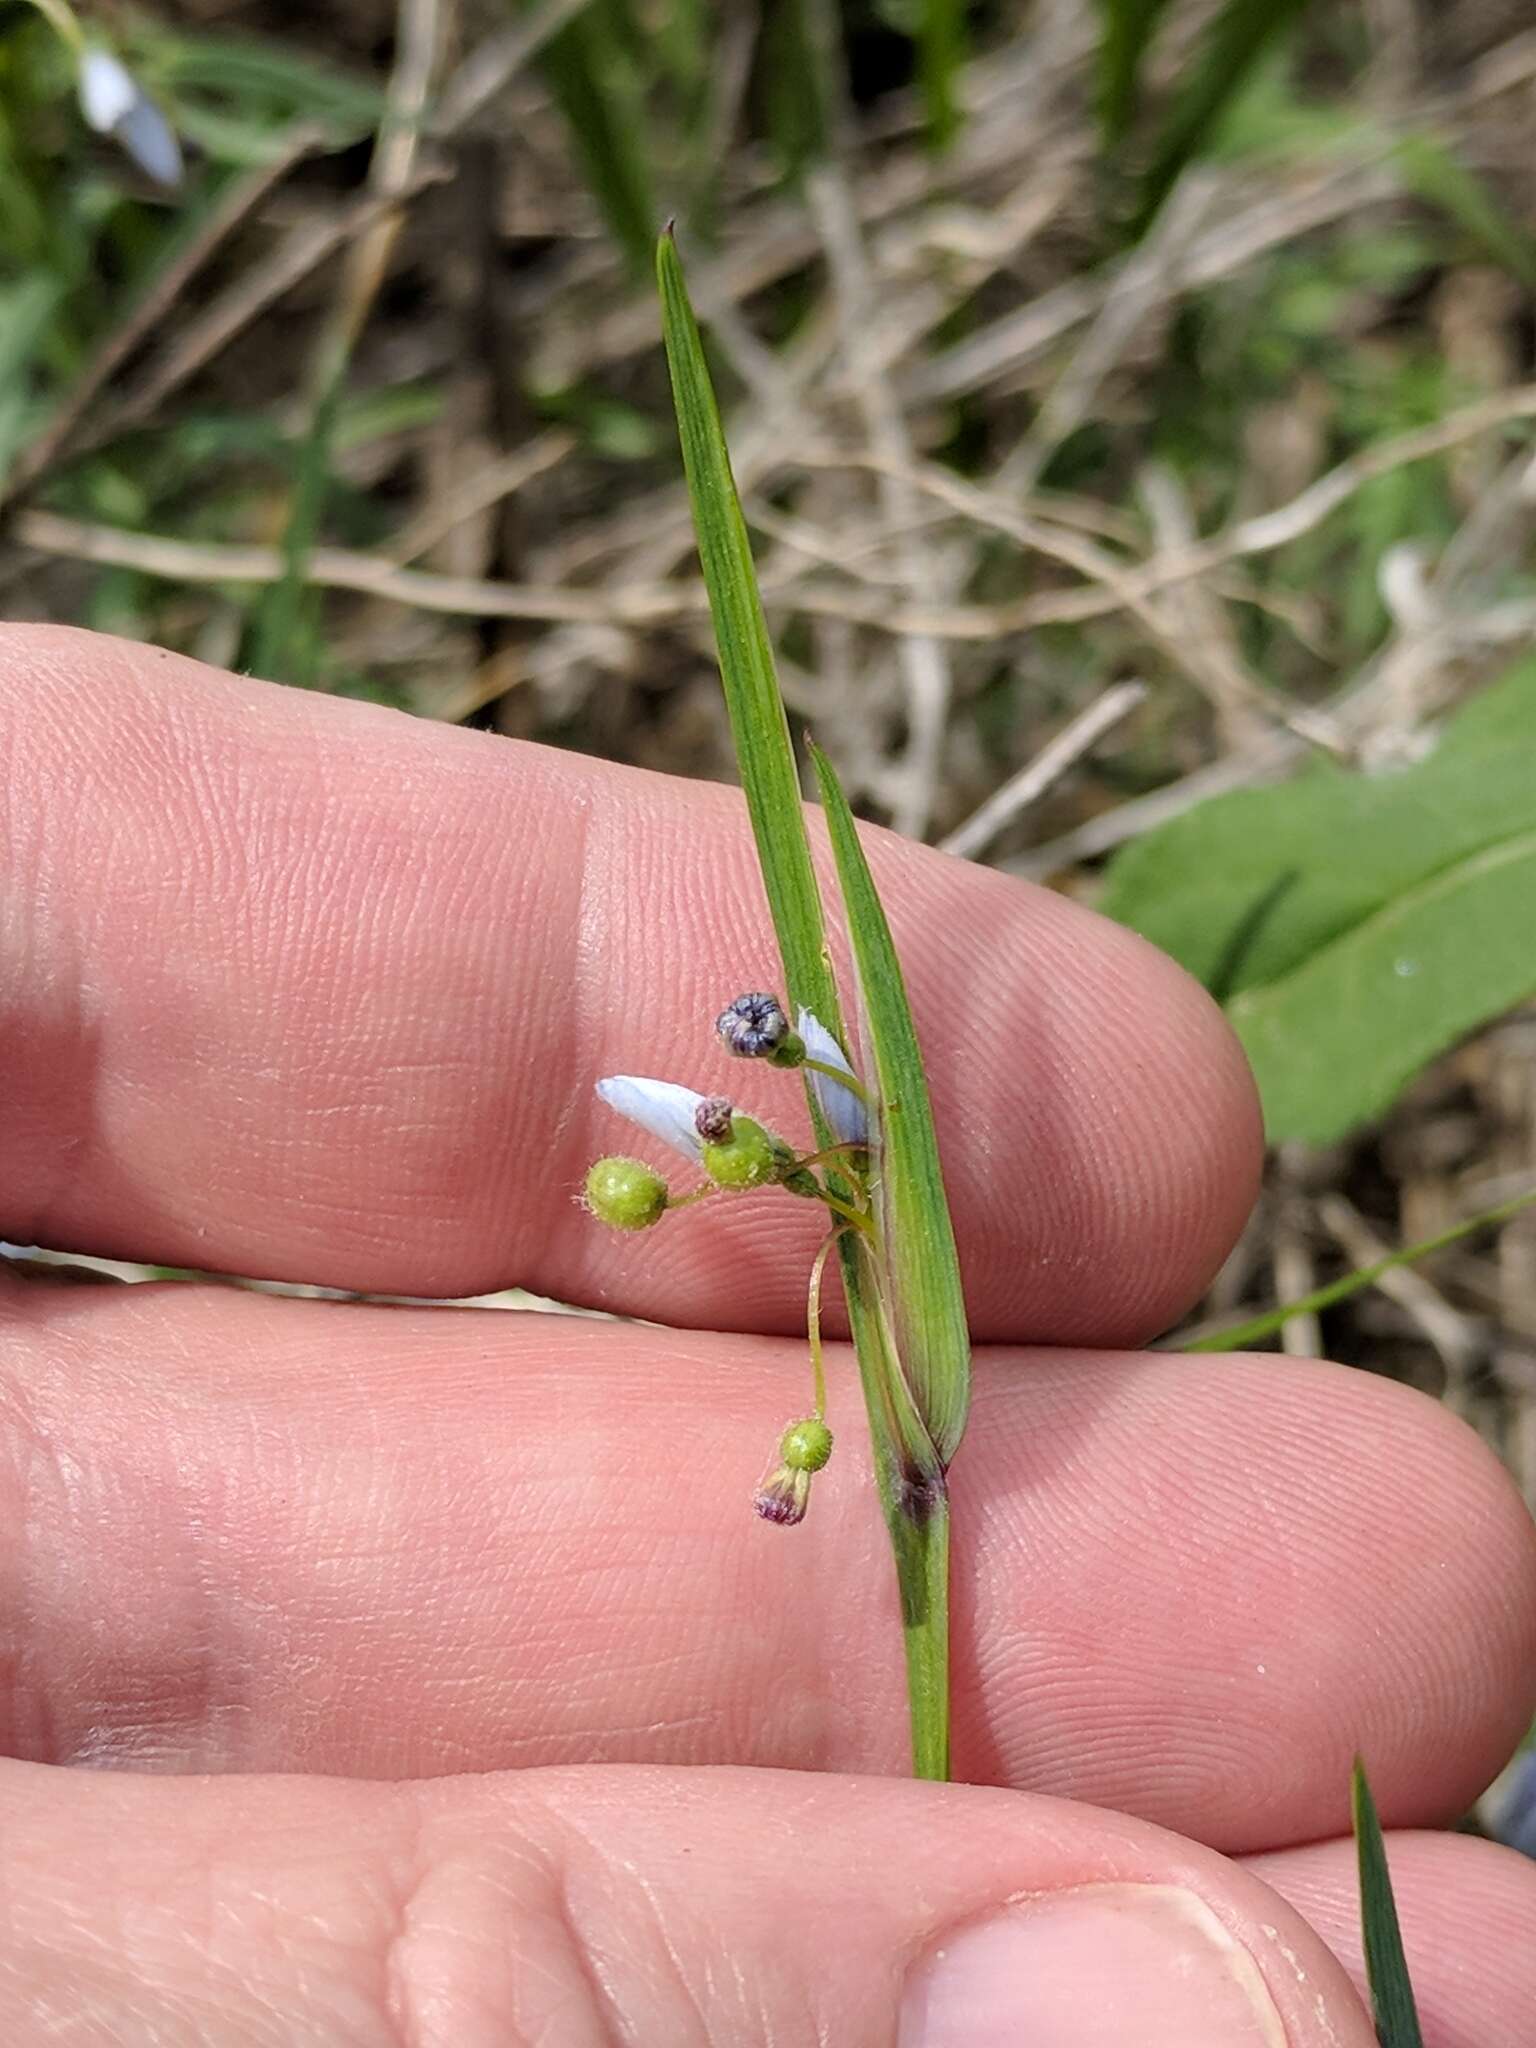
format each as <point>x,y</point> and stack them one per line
<point>1134,408</point>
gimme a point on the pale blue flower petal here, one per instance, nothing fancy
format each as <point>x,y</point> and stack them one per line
<point>150,140</point>
<point>663,1108</point>
<point>840,1106</point>
<point>114,103</point>
<point>107,90</point>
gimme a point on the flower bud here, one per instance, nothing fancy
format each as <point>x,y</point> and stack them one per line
<point>625,1193</point>
<point>785,1494</point>
<point>114,103</point>
<point>713,1120</point>
<point>749,1157</point>
<point>754,1027</point>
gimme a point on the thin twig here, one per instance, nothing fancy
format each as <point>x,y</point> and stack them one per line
<point>186,561</point>
<point>484,488</point>
<point>1049,765</point>
<point>250,295</point>
<point>491,68</point>
<point>1152,275</point>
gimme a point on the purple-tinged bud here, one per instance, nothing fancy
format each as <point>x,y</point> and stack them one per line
<point>712,1120</point>
<point>785,1494</point>
<point>754,1027</point>
<point>783,1497</point>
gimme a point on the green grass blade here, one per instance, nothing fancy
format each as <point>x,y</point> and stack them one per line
<point>1243,1334</point>
<point>279,649</point>
<point>588,69</point>
<point>921,1261</point>
<point>1235,41</point>
<point>759,727</point>
<point>940,54</point>
<point>1128,27</point>
<point>1386,1967</point>
<point>906,1467</point>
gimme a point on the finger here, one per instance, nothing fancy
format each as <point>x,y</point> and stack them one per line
<point>587,1907</point>
<point>245,1534</point>
<point>299,987</point>
<point>1468,1915</point>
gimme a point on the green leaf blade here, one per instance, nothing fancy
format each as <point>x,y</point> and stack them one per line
<point>940,56</point>
<point>771,785</point>
<point>922,1262</point>
<point>1238,36</point>
<point>1403,922</point>
<point>1239,1336</point>
<point>1127,31</point>
<point>1441,960</point>
<point>759,726</point>
<point>1386,1967</point>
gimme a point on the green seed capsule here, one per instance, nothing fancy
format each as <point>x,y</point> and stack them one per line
<point>806,1446</point>
<point>752,1157</point>
<point>625,1193</point>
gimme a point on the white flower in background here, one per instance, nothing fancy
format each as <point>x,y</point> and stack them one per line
<point>114,103</point>
<point>840,1106</point>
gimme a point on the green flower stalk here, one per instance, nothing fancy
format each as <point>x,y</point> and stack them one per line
<point>874,1164</point>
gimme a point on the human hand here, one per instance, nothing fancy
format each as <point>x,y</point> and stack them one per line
<point>293,987</point>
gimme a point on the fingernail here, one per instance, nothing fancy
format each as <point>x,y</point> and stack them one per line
<point>1101,1964</point>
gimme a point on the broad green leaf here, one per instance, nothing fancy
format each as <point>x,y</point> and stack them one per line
<point>919,1240</point>
<point>1386,1967</point>
<point>1356,924</point>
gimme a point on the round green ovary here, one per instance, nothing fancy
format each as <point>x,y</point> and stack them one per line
<point>625,1193</point>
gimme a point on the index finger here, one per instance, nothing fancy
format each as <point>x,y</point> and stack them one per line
<point>302,988</point>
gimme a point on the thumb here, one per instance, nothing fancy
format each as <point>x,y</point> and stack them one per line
<point>572,1908</point>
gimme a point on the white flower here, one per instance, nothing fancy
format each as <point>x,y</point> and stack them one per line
<point>114,103</point>
<point>664,1108</point>
<point>840,1106</point>
<point>107,90</point>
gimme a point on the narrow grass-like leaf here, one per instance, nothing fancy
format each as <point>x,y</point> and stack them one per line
<point>1386,1967</point>
<point>795,65</point>
<point>940,54</point>
<point>1127,30</point>
<point>919,1240</point>
<point>1243,1334</point>
<point>1238,36</point>
<point>589,72</point>
<point>1437,175</point>
<point>906,1468</point>
<point>278,649</point>
<point>759,727</point>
